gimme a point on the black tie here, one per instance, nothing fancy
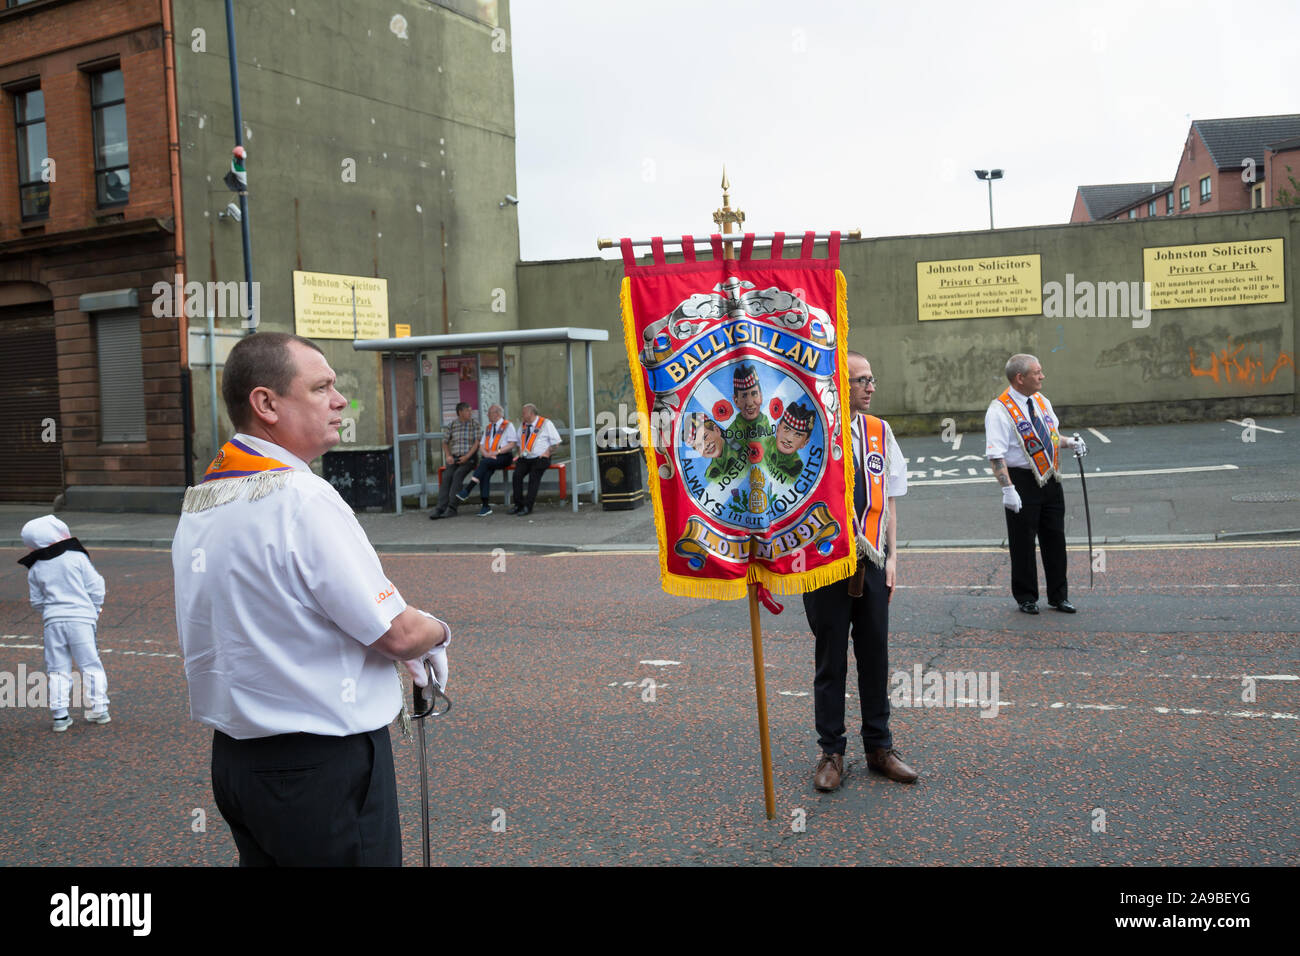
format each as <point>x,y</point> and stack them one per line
<point>1039,428</point>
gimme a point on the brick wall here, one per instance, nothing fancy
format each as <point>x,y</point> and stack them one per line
<point>84,249</point>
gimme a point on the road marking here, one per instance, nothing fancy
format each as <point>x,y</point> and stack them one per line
<point>1150,586</point>
<point>920,704</point>
<point>102,650</point>
<point>1094,474</point>
<point>1104,439</point>
<point>793,693</point>
<point>659,663</point>
<point>1262,428</point>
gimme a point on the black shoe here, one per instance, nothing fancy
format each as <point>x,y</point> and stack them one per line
<point>435,515</point>
<point>526,510</point>
<point>515,510</point>
<point>1065,606</point>
<point>1029,607</point>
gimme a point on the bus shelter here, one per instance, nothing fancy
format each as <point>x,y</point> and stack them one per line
<point>581,441</point>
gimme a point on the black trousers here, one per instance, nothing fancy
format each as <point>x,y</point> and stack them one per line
<point>485,469</point>
<point>1042,515</point>
<point>832,614</point>
<point>453,476</point>
<point>533,469</point>
<point>308,800</point>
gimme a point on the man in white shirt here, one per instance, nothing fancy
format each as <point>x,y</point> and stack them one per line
<point>861,603</point>
<point>289,626</point>
<point>496,451</point>
<point>536,440</point>
<point>1023,447</point>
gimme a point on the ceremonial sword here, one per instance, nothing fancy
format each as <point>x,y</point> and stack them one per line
<point>427,705</point>
<point>1087,515</point>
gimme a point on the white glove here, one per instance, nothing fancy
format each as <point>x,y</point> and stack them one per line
<point>1080,449</point>
<point>1011,499</point>
<point>437,657</point>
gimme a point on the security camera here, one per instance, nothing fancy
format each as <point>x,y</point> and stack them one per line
<point>231,212</point>
<point>513,200</point>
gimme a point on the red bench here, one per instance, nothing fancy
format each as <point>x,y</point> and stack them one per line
<point>559,466</point>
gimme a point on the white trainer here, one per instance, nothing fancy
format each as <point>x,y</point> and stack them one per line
<point>61,724</point>
<point>97,716</point>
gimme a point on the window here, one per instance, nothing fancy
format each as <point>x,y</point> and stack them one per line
<point>1184,197</point>
<point>33,190</point>
<point>1133,213</point>
<point>1169,203</point>
<point>1257,196</point>
<point>1151,208</point>
<point>1205,189</point>
<point>108,109</point>
<point>121,377</point>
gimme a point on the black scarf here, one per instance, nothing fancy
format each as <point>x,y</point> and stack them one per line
<point>52,551</point>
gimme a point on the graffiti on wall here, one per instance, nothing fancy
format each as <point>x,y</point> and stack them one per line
<point>1224,357</point>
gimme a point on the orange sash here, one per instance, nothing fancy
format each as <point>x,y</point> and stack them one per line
<point>871,454</point>
<point>1029,439</point>
<point>237,460</point>
<point>492,439</point>
<point>536,427</point>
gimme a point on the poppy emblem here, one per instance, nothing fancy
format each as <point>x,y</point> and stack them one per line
<point>722,410</point>
<point>755,453</point>
<point>777,408</point>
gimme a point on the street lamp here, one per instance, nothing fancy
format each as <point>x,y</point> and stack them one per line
<point>988,175</point>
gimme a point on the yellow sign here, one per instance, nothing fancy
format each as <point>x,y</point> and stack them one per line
<point>979,288</point>
<point>1241,272</point>
<point>322,306</point>
<point>401,331</point>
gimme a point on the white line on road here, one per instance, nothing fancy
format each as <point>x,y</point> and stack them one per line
<point>1095,474</point>
<point>102,650</point>
<point>1260,428</point>
<point>1103,438</point>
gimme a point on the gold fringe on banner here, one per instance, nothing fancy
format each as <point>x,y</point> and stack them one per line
<point>735,588</point>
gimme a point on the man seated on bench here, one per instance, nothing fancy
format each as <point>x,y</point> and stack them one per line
<point>459,455</point>
<point>497,447</point>
<point>535,443</point>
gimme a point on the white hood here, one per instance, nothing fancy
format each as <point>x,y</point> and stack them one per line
<point>44,531</point>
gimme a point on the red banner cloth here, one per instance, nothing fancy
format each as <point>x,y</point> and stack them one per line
<point>739,371</point>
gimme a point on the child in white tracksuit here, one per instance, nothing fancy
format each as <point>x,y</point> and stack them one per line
<point>68,590</point>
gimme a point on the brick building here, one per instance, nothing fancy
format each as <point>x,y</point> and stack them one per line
<point>116,128</point>
<point>87,225</point>
<point>1225,165</point>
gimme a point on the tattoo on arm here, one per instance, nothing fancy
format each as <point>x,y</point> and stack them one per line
<point>1000,471</point>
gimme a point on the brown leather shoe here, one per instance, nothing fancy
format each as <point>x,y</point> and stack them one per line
<point>830,770</point>
<point>886,762</point>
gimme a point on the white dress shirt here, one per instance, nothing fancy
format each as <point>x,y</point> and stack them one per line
<point>546,438</point>
<point>1001,438</point>
<point>277,602</point>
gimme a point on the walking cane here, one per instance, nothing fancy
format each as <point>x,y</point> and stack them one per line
<point>427,700</point>
<point>1087,515</point>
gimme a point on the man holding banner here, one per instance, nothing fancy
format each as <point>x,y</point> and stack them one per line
<point>860,603</point>
<point>742,362</point>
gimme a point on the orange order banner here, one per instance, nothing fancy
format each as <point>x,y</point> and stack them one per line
<point>739,369</point>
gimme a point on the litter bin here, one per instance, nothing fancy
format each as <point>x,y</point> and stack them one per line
<point>620,457</point>
<point>362,475</point>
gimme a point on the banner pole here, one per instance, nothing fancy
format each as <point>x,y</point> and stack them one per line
<point>727,218</point>
<point>760,691</point>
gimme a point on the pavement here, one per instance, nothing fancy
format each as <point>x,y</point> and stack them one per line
<point>1146,484</point>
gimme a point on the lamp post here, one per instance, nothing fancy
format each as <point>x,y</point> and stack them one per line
<point>988,175</point>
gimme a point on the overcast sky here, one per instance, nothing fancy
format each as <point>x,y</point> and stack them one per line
<point>836,115</point>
